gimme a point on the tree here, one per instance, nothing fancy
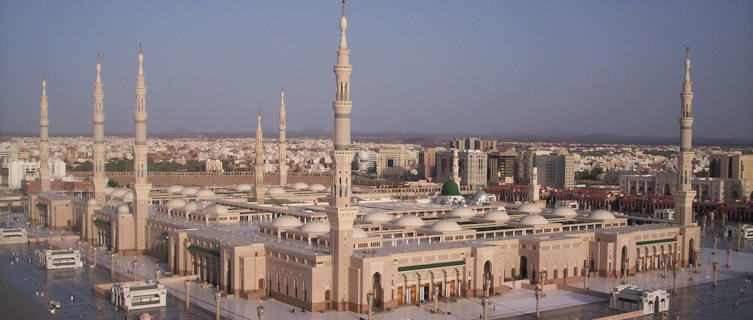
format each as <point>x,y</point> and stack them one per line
<point>113,184</point>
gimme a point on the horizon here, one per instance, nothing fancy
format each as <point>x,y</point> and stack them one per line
<point>549,78</point>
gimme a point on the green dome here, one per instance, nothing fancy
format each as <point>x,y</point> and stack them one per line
<point>450,188</point>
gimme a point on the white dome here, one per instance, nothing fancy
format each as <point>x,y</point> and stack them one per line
<point>175,189</point>
<point>127,197</point>
<point>193,205</point>
<point>176,203</point>
<point>123,209</point>
<point>287,221</point>
<point>215,208</point>
<point>316,226</point>
<point>462,212</point>
<point>564,212</point>
<point>300,186</point>
<point>204,193</point>
<point>243,187</point>
<point>377,217</point>
<point>117,193</point>
<point>409,221</point>
<point>445,226</point>
<point>529,208</point>
<point>601,214</point>
<point>276,191</point>
<point>92,202</point>
<point>316,187</point>
<point>358,233</point>
<point>497,216</point>
<point>190,191</point>
<point>533,219</point>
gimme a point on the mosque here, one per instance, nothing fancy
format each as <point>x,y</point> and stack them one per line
<point>323,248</point>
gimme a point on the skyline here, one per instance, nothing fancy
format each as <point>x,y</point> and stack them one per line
<point>623,73</point>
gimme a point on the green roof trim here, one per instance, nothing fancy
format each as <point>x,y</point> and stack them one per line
<point>432,265</point>
<point>640,243</point>
<point>450,188</point>
<point>164,234</point>
<point>102,222</point>
<point>204,250</point>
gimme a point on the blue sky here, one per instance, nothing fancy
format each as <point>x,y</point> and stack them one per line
<point>482,67</point>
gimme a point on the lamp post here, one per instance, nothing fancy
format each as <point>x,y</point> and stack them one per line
<point>715,238</point>
<point>729,249</point>
<point>674,277</point>
<point>716,266</point>
<point>134,263</point>
<point>156,272</point>
<point>113,256</point>
<point>188,295</point>
<point>586,270</point>
<point>739,237</point>
<point>217,296</point>
<point>624,270</point>
<point>485,300</point>
<point>539,292</point>
<point>436,296</point>
<point>370,300</point>
<point>260,311</point>
<point>94,256</point>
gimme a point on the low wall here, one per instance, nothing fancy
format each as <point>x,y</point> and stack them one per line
<point>626,315</point>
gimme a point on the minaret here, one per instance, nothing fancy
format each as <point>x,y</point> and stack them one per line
<point>340,212</point>
<point>141,187</point>
<point>684,195</point>
<point>100,180</point>
<point>455,167</point>
<point>533,185</point>
<point>283,162</point>
<point>259,167</point>
<point>44,152</point>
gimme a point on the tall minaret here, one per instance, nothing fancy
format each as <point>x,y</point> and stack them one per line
<point>684,195</point>
<point>455,167</point>
<point>141,187</point>
<point>100,180</point>
<point>259,167</point>
<point>533,185</point>
<point>44,152</point>
<point>340,212</point>
<point>283,162</point>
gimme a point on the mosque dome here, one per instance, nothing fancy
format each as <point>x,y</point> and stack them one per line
<point>317,187</point>
<point>92,202</point>
<point>481,197</point>
<point>462,212</point>
<point>497,216</point>
<point>276,191</point>
<point>450,188</point>
<point>377,217</point>
<point>175,189</point>
<point>287,221</point>
<point>243,187</point>
<point>566,212</point>
<point>204,193</point>
<point>529,208</point>
<point>190,191</point>
<point>215,209</point>
<point>316,226</point>
<point>117,193</point>
<point>533,219</point>
<point>358,233</point>
<point>124,209</point>
<point>176,203</point>
<point>193,205</point>
<point>127,197</point>
<point>445,226</point>
<point>300,186</point>
<point>601,214</point>
<point>410,221</point>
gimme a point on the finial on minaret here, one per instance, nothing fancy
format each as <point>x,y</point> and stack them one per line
<point>687,63</point>
<point>99,68</point>
<point>141,60</point>
<point>343,11</point>
<point>44,84</point>
<point>343,27</point>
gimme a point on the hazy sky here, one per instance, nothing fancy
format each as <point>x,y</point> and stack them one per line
<point>445,66</point>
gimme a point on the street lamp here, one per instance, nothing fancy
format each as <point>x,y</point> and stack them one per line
<point>485,300</point>
<point>729,248</point>
<point>674,277</point>
<point>716,266</point>
<point>539,291</point>
<point>156,272</point>
<point>370,300</point>
<point>217,296</point>
<point>112,264</point>
<point>586,270</point>
<point>624,270</point>
<point>134,263</point>
<point>436,295</point>
<point>188,295</point>
<point>260,311</point>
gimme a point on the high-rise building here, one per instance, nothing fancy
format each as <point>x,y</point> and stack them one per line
<point>392,163</point>
<point>474,144</point>
<point>427,163</point>
<point>501,167</point>
<point>471,167</point>
<point>556,170</point>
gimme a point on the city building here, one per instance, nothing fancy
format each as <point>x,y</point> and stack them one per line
<point>714,190</point>
<point>52,259</point>
<point>474,144</point>
<point>556,170</point>
<point>427,163</point>
<point>501,167</point>
<point>471,167</point>
<point>392,163</point>
<point>214,166</point>
<point>629,298</point>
